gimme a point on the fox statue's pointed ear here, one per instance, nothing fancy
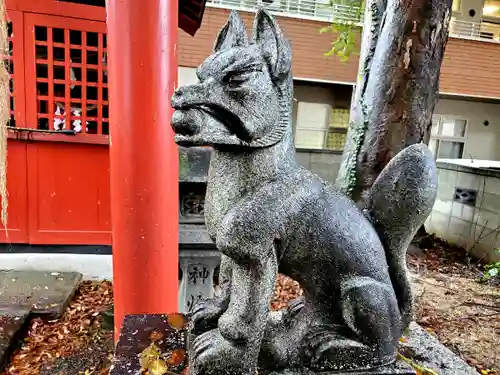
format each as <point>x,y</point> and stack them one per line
<point>233,34</point>
<point>275,47</point>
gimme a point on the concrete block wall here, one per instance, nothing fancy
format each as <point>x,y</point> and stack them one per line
<point>474,227</point>
<point>325,164</point>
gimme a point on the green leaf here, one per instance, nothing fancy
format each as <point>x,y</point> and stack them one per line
<point>345,44</point>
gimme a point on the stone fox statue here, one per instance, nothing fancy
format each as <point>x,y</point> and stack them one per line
<point>267,214</point>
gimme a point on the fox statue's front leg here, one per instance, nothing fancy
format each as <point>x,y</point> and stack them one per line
<point>234,346</point>
<point>206,313</point>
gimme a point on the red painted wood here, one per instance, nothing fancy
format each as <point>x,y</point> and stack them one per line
<point>68,191</point>
<point>58,8</point>
<point>63,97</point>
<point>18,198</point>
<point>17,59</point>
<point>188,21</point>
<point>96,139</point>
<point>142,38</point>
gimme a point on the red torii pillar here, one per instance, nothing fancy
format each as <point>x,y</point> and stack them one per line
<point>142,39</point>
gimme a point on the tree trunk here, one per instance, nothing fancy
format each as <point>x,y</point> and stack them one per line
<point>397,88</point>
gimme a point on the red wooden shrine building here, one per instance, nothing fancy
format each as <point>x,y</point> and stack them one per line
<point>58,147</point>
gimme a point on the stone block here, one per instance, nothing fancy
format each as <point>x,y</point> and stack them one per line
<point>484,235</point>
<point>194,163</point>
<point>158,344</point>
<point>400,368</point>
<point>43,293</point>
<point>428,352</point>
<point>486,218</point>
<point>325,171</point>
<point>439,223</point>
<point>491,202</point>
<point>198,268</point>
<point>446,177</point>
<point>492,185</point>
<point>154,344</point>
<point>484,242</point>
<point>468,181</point>
<point>445,191</point>
<point>326,157</point>
<point>443,206</point>
<point>460,232</point>
<point>462,211</point>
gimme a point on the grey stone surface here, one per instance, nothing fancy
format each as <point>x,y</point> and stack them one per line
<point>198,268</point>
<point>400,368</point>
<point>194,235</point>
<point>266,213</point>
<point>11,322</point>
<point>480,171</point>
<point>43,293</point>
<point>472,225</point>
<point>194,163</point>
<point>152,344</point>
<point>427,351</point>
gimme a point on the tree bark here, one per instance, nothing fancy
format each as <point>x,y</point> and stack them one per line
<point>397,87</point>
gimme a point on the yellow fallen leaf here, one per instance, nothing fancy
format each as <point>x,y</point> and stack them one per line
<point>151,361</point>
<point>158,367</point>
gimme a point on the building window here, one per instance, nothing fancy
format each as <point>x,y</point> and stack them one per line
<point>456,5</point>
<point>491,9</point>
<point>321,127</point>
<point>337,131</point>
<point>310,132</point>
<point>447,137</point>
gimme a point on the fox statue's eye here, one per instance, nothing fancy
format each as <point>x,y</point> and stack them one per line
<point>235,80</point>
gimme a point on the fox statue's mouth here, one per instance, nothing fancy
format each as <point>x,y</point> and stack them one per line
<point>208,125</point>
<point>230,121</point>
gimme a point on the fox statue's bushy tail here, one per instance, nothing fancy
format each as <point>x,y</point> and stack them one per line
<point>398,204</point>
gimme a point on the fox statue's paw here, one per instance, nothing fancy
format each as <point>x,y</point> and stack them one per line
<point>327,350</point>
<point>212,354</point>
<point>293,308</point>
<point>206,313</point>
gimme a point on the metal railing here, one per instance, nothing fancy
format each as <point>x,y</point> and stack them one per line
<point>475,30</point>
<point>320,10</point>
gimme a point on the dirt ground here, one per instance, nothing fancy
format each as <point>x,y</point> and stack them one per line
<point>450,302</point>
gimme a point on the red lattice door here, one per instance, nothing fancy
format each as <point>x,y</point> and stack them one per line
<point>67,103</point>
<point>17,226</point>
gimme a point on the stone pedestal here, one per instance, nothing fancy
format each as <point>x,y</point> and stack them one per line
<point>154,344</point>
<point>158,344</point>
<point>400,368</point>
<point>198,268</point>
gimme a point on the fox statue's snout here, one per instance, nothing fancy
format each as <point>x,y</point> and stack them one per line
<point>182,121</point>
